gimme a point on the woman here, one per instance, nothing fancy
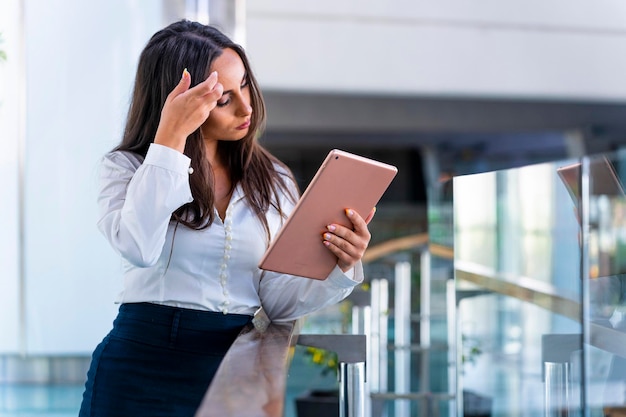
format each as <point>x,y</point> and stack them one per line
<point>190,201</point>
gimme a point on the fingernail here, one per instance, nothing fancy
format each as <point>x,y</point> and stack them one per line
<point>327,236</point>
<point>331,227</point>
<point>326,243</point>
<point>349,212</point>
<point>185,73</point>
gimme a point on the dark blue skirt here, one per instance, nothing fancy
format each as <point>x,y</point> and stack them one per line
<point>157,361</point>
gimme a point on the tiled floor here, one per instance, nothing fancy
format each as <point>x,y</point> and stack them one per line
<point>34,400</point>
<point>64,401</point>
<point>37,400</point>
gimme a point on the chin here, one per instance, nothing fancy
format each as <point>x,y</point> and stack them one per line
<point>242,134</point>
<point>234,138</point>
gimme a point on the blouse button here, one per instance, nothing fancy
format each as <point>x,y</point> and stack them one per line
<point>190,170</point>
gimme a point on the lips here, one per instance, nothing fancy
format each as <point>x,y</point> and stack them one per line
<point>244,125</point>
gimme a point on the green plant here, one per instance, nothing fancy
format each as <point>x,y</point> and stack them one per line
<point>325,359</point>
<point>471,349</point>
<point>3,55</point>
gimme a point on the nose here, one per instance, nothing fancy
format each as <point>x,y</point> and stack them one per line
<point>244,108</point>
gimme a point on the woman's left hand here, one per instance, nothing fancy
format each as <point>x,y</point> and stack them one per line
<point>349,245</point>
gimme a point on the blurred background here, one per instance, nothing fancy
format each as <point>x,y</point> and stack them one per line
<point>438,88</point>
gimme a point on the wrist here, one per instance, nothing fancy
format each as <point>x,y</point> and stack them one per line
<point>170,140</point>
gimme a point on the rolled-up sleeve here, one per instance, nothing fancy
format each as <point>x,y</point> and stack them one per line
<point>286,297</point>
<point>137,198</point>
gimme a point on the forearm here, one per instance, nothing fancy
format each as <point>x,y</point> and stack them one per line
<point>136,206</point>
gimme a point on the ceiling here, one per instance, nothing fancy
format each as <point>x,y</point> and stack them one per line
<point>503,132</point>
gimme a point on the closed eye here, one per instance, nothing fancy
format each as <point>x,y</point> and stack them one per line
<point>225,101</point>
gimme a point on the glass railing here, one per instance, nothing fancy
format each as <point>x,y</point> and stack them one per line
<point>539,258</point>
<point>252,378</point>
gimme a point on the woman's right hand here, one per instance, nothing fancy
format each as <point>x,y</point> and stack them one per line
<point>186,109</point>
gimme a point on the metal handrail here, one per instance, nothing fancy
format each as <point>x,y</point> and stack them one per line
<point>404,243</point>
<point>522,288</point>
<point>389,247</point>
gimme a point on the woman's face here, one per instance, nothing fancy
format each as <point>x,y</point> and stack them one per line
<point>230,119</point>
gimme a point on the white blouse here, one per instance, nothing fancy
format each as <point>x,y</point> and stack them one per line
<point>212,269</point>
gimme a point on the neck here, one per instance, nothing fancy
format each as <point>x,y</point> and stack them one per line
<point>211,153</point>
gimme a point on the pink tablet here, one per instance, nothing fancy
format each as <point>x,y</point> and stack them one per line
<point>344,180</point>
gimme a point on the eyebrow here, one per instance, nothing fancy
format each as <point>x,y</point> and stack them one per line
<point>245,76</point>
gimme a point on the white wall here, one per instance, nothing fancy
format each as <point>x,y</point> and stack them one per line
<point>9,215</point>
<point>80,60</point>
<point>570,49</point>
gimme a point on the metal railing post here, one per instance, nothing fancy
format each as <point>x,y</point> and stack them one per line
<point>557,389</point>
<point>361,324</point>
<point>352,389</point>
<point>402,339</point>
<point>556,352</point>
<point>377,361</point>
<point>425,313</point>
<point>351,355</point>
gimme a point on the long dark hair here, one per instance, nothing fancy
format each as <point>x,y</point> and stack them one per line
<point>194,46</point>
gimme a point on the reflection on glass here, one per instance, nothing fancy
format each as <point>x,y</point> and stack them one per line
<point>606,222</point>
<point>535,338</point>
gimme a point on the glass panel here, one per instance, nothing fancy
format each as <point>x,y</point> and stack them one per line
<point>604,215</point>
<point>518,290</point>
